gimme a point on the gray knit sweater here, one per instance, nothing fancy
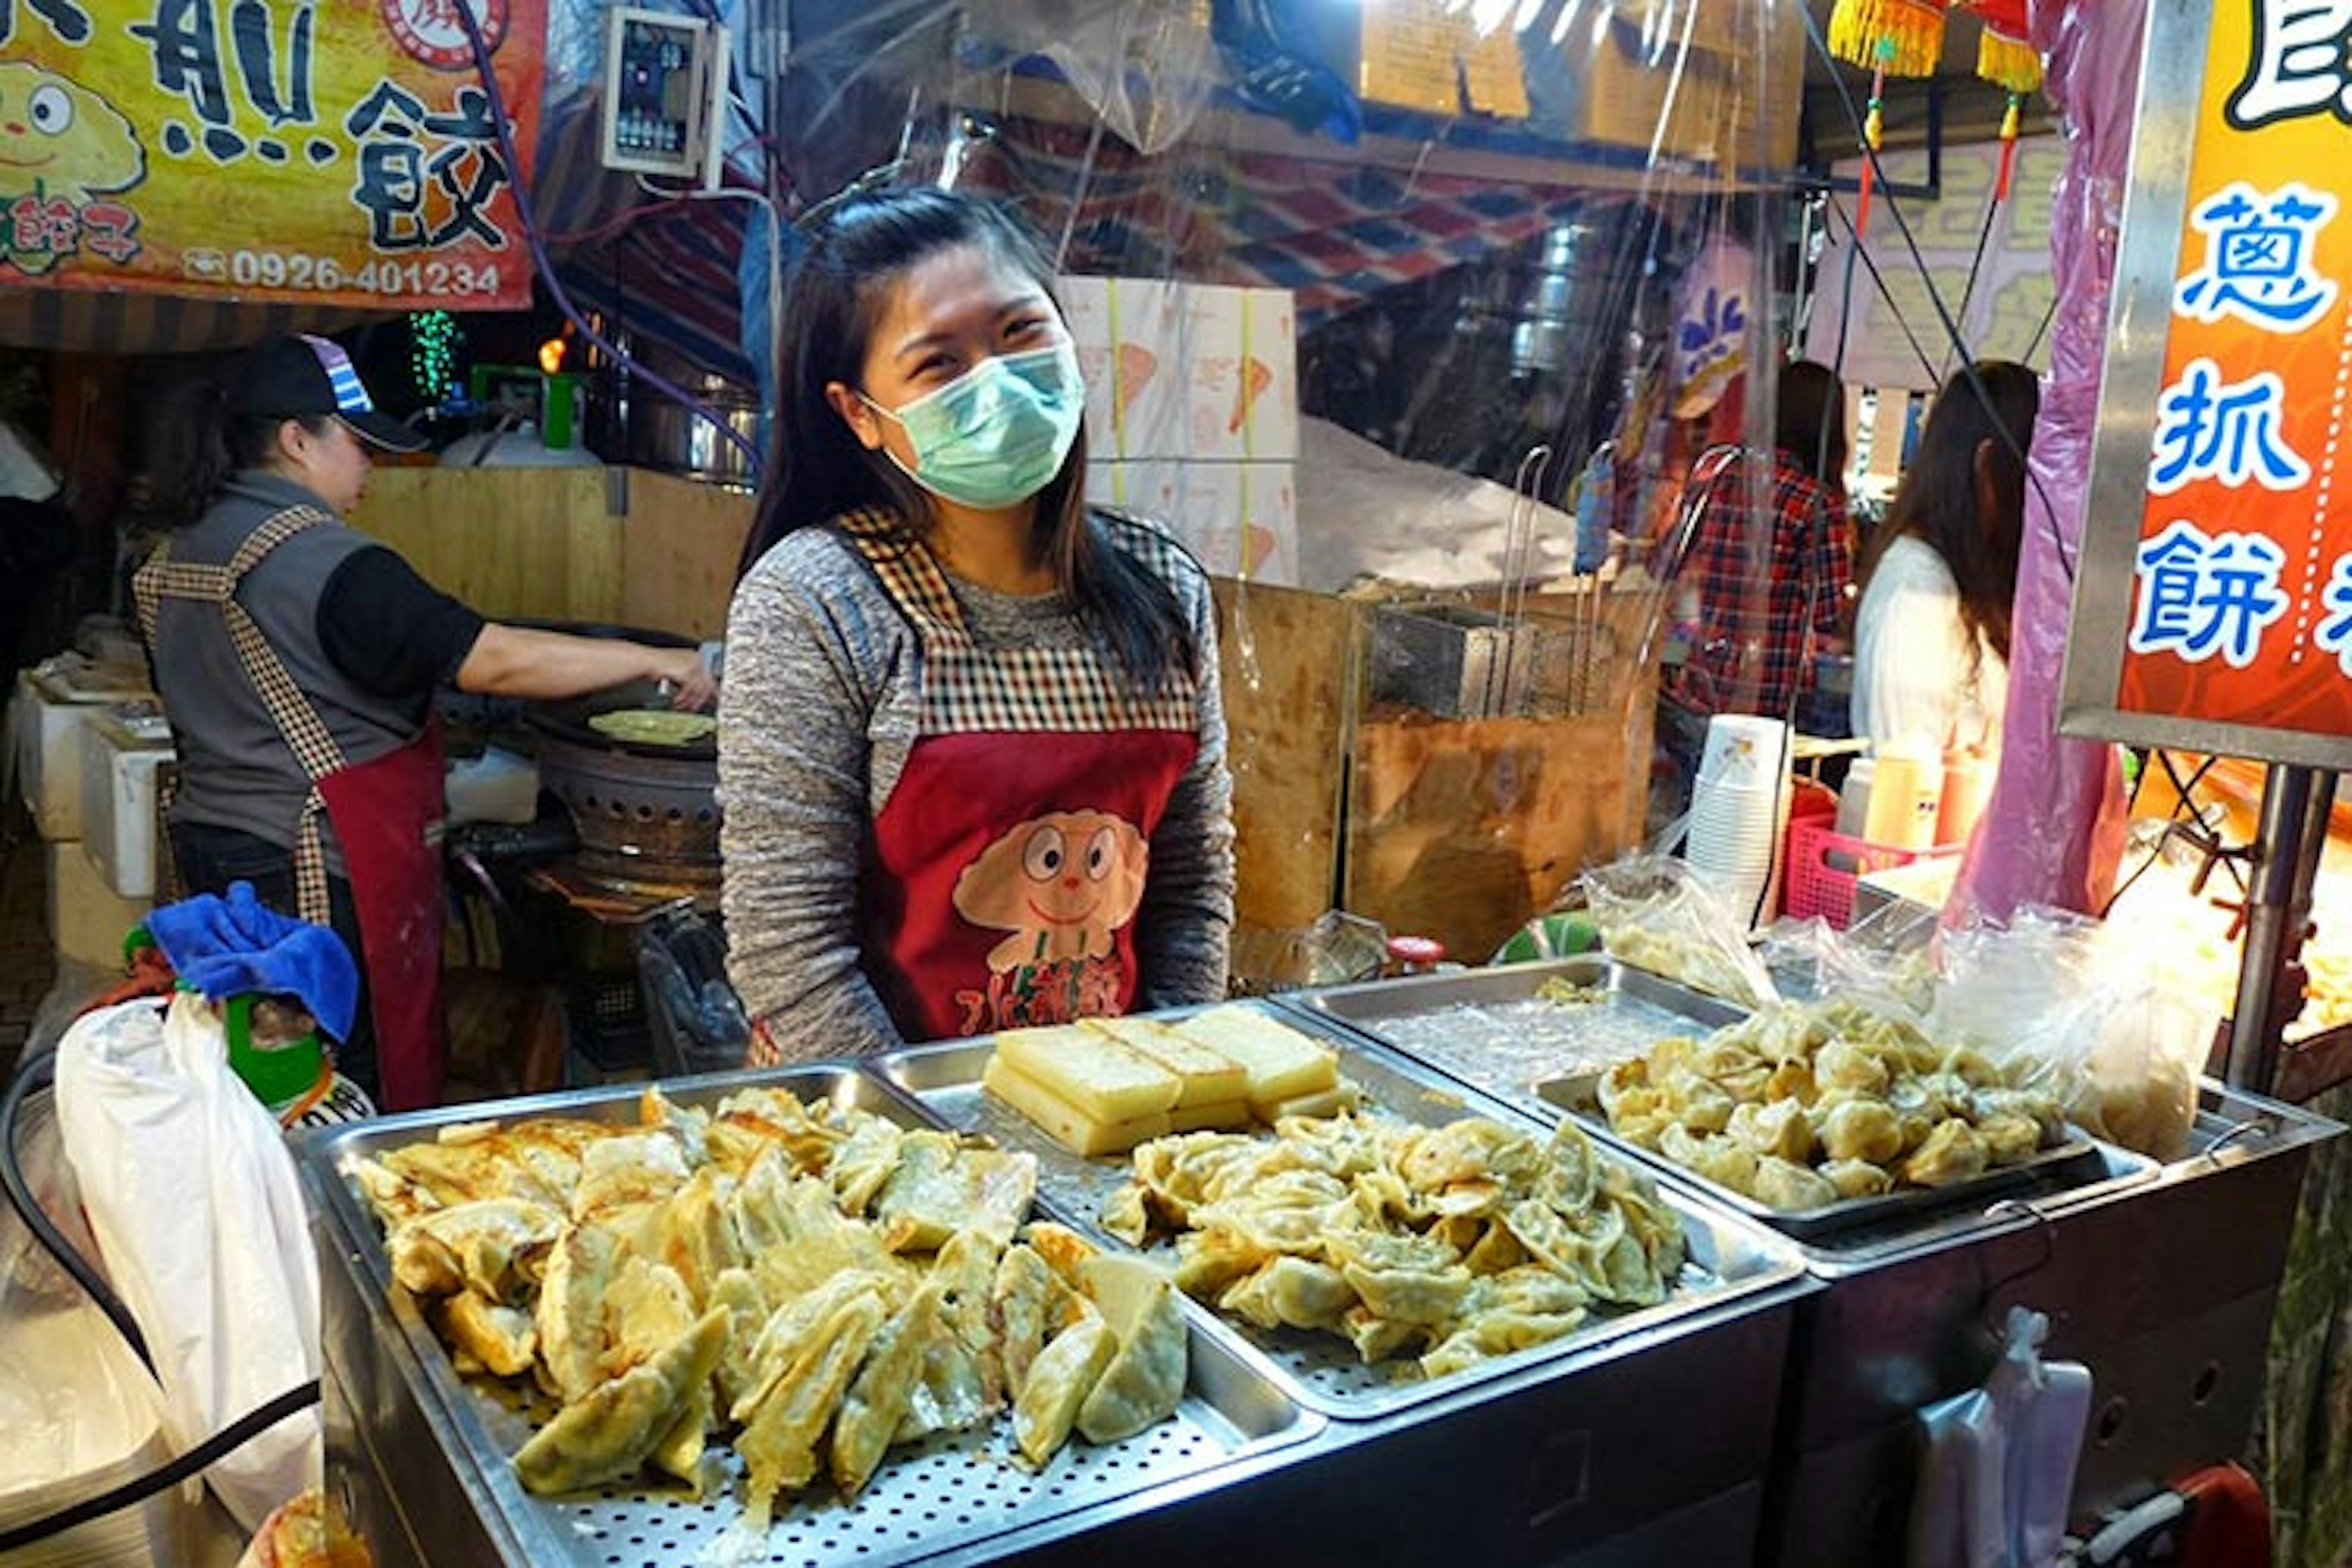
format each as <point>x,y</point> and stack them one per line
<point>816,714</point>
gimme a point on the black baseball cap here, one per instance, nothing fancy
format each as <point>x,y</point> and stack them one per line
<point>294,377</point>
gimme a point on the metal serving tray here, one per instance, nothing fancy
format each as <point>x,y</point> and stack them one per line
<point>1727,1260</point>
<point>950,1493</point>
<point>2078,1159</point>
<point>1489,1028</point>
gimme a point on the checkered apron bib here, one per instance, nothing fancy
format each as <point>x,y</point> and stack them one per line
<point>313,745</point>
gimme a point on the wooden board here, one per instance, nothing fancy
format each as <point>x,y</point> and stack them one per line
<point>548,544</point>
<point>515,543</point>
<point>1286,659</point>
<point>1464,829</point>
<point>679,553</point>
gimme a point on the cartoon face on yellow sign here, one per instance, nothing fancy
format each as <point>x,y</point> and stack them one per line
<point>60,144</point>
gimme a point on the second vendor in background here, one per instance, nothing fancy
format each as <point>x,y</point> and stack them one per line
<point>1931,638</point>
<point>297,660</point>
<point>971,750</point>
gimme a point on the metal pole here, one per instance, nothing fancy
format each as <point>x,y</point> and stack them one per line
<point>2274,925</point>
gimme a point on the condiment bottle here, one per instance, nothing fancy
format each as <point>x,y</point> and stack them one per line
<point>1854,800</point>
<point>1906,789</point>
<point>1967,780</point>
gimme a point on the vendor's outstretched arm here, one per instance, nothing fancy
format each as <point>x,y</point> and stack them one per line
<point>520,661</point>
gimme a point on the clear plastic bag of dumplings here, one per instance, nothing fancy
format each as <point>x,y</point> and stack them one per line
<point>1654,913</point>
<point>2068,1006</point>
<point>1885,960</point>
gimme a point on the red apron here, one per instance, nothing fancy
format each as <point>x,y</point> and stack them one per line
<point>386,814</point>
<point>1010,859</point>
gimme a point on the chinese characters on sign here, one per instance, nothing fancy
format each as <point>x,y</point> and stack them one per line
<point>2241,600</point>
<point>277,148</point>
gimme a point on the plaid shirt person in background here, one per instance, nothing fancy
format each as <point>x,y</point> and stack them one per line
<point>1760,613</point>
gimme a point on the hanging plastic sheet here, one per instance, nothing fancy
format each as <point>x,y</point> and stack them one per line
<point>2054,828</point>
<point>1423,309</point>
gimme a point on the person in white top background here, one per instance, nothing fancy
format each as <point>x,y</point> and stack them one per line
<point>1931,636</point>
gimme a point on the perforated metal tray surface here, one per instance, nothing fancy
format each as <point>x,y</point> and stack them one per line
<point>1491,1029</point>
<point>946,1493</point>
<point>1730,1260</point>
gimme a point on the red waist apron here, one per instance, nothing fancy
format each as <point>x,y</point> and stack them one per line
<point>1010,859</point>
<point>386,814</point>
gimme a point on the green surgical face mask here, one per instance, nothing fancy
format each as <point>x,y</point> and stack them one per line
<point>997,433</point>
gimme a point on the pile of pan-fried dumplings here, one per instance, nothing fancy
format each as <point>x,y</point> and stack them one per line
<point>809,1283</point>
<point>1804,1105</point>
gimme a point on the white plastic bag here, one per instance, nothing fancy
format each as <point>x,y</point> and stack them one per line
<point>1996,1465</point>
<point>199,1217</point>
<point>2072,1005</point>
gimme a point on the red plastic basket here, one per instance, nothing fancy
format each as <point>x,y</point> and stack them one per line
<point>1824,865</point>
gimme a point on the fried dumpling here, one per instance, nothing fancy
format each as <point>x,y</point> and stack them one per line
<point>2009,1140</point>
<point>814,1347</point>
<point>877,1399</point>
<point>1145,1380</point>
<point>1862,1128</point>
<point>940,1187</point>
<point>608,1432</point>
<point>499,1338</point>
<point>1721,1158</point>
<point>492,1247</point>
<point>1061,1377</point>
<point>1853,1065</point>
<point>641,1167</point>
<point>1778,1130</point>
<point>570,1313</point>
<point>1019,1299</point>
<point>1952,1154</point>
<point>1791,1187</point>
<point>1857,1178</point>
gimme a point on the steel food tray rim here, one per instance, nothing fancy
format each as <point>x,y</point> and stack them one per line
<point>1232,1409</point>
<point>1362,1004</point>
<point>1741,1261</point>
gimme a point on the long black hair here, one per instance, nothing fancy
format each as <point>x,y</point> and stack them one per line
<point>1809,420</point>
<point>199,445</point>
<point>819,470</point>
<point>1990,406</point>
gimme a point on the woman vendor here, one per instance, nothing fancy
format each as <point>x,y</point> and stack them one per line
<point>971,750</point>
<point>297,661</point>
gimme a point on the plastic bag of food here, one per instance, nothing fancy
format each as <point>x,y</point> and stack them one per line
<point>1654,913</point>
<point>1885,960</point>
<point>2071,1005</point>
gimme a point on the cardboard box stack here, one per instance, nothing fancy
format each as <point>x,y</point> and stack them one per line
<point>1192,413</point>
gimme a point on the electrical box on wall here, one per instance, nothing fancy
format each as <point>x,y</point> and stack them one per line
<point>664,93</point>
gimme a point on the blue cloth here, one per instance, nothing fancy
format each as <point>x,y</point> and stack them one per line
<point>239,945</point>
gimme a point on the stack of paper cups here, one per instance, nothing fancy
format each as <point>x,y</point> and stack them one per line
<point>1740,811</point>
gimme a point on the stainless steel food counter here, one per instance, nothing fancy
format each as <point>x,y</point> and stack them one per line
<point>2160,1278</point>
<point>1648,1437</point>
